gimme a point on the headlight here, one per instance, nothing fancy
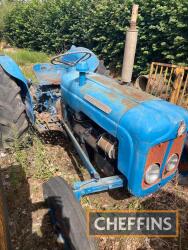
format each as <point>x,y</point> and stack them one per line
<point>152,174</point>
<point>182,128</point>
<point>172,162</point>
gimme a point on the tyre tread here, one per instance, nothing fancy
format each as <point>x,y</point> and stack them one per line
<point>57,187</point>
<point>13,119</point>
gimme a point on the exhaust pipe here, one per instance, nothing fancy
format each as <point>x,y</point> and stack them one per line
<point>130,47</point>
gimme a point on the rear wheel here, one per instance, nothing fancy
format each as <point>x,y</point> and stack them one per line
<point>67,214</point>
<point>13,121</point>
<point>4,232</point>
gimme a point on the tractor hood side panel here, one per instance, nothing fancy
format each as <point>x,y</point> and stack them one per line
<point>101,104</point>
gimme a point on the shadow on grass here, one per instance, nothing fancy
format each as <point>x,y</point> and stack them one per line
<point>26,232</point>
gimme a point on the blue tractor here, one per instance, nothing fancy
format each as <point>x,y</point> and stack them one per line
<point>124,137</point>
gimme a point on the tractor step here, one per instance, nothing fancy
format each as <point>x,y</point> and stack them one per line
<point>92,186</point>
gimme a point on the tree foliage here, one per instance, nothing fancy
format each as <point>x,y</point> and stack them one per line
<point>53,25</point>
<point>5,7</point>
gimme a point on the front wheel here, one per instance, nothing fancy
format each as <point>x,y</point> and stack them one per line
<point>67,214</point>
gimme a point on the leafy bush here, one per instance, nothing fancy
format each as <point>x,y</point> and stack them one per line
<point>5,7</point>
<point>52,26</point>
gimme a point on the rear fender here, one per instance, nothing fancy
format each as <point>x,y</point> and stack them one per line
<point>11,68</point>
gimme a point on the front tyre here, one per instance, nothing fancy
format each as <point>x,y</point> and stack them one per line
<point>67,214</point>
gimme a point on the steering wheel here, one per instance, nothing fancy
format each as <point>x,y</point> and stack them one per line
<point>57,60</point>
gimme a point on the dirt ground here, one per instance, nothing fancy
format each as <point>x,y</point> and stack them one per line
<point>26,167</point>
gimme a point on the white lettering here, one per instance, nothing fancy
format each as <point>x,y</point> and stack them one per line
<point>140,222</point>
<point>111,223</point>
<point>122,223</point>
<point>154,223</point>
<point>167,223</point>
<point>131,222</point>
<point>97,225</point>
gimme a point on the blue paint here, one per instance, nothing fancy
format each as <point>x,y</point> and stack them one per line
<point>47,72</point>
<point>13,70</point>
<point>139,121</point>
<point>92,62</point>
<point>92,186</point>
<point>137,124</point>
<point>50,75</point>
<point>46,99</point>
<point>83,68</point>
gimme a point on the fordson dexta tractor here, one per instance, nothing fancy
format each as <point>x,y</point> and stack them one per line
<point>124,137</point>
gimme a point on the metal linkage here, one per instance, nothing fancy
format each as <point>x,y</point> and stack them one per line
<point>81,153</point>
<point>92,186</point>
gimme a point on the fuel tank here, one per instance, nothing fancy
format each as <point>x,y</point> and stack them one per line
<point>139,121</point>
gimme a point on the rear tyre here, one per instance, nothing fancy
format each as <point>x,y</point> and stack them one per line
<point>13,121</point>
<point>4,232</point>
<point>67,215</point>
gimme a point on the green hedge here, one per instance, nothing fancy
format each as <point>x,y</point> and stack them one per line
<point>52,26</point>
<point>5,8</point>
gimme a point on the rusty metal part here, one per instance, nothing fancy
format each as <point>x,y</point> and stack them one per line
<point>83,132</point>
<point>47,73</point>
<point>177,148</point>
<point>59,109</point>
<point>141,82</point>
<point>169,82</point>
<point>179,72</point>
<point>107,146</point>
<point>56,81</point>
<point>32,90</point>
<point>46,122</point>
<point>51,78</point>
<point>125,90</point>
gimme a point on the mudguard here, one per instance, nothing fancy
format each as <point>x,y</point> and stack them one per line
<point>9,65</point>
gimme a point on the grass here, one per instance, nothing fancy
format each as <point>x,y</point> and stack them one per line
<point>31,160</point>
<point>28,72</point>
<point>135,204</point>
<point>26,59</point>
<point>17,176</point>
<point>43,169</point>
